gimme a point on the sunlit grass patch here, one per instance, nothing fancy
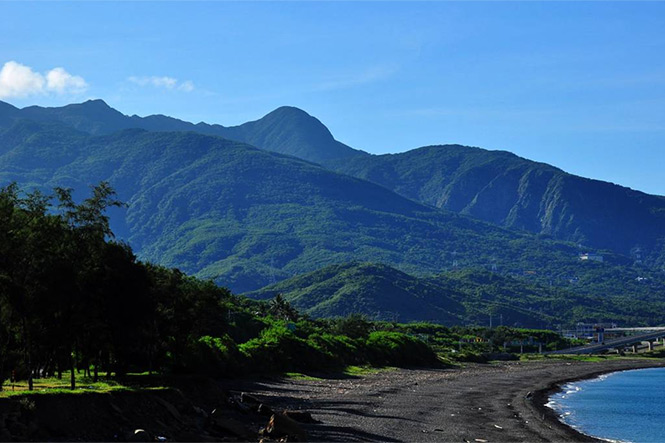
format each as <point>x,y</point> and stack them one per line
<point>357,371</point>
<point>54,385</point>
<point>300,376</point>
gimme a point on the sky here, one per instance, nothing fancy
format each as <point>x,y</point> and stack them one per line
<point>580,85</point>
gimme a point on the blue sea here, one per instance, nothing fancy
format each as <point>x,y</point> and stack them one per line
<point>626,406</point>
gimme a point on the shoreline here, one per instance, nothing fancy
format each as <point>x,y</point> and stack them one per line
<point>498,402</point>
<point>478,402</point>
<point>542,397</point>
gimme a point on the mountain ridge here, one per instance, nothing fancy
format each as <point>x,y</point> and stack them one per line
<point>495,186</point>
<point>510,191</point>
<point>274,131</point>
<point>244,216</point>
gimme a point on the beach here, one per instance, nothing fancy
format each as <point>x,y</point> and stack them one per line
<point>495,402</point>
<point>499,402</point>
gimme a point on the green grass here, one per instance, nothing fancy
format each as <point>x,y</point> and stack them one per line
<point>348,372</point>
<point>359,371</point>
<point>54,385</point>
<point>300,376</point>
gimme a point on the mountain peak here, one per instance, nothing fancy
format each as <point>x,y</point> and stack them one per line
<point>289,111</point>
<point>92,116</point>
<point>4,106</point>
<point>97,103</point>
<point>7,113</point>
<point>297,116</point>
<point>292,131</point>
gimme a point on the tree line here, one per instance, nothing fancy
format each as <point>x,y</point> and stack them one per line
<point>72,297</point>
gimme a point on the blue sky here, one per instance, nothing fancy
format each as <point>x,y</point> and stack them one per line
<point>580,85</point>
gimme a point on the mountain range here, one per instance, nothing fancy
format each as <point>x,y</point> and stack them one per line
<point>494,186</point>
<point>255,204</point>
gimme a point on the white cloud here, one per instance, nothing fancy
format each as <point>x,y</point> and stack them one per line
<point>187,86</point>
<point>163,82</point>
<point>63,82</point>
<point>17,80</point>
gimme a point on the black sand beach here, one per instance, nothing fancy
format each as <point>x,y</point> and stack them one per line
<point>502,402</point>
<point>498,402</point>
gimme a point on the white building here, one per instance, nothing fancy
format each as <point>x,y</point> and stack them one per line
<point>591,257</point>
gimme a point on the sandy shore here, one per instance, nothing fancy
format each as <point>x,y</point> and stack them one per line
<point>475,404</point>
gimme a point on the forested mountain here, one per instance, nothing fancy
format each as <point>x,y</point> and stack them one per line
<point>378,291</point>
<point>470,296</point>
<point>286,130</point>
<point>495,186</point>
<point>246,217</point>
<point>505,189</point>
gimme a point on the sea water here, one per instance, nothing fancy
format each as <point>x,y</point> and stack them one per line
<point>627,406</point>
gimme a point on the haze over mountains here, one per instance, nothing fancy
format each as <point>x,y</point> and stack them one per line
<point>205,199</point>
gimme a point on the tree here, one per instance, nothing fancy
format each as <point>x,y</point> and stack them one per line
<point>281,309</point>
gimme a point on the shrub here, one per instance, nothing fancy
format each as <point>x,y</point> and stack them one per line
<point>354,326</point>
<point>216,356</point>
<point>339,349</point>
<point>397,349</point>
<point>278,349</point>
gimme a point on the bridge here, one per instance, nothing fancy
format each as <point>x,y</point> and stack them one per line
<point>648,335</point>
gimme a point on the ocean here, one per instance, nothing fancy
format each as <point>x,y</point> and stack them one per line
<point>625,406</point>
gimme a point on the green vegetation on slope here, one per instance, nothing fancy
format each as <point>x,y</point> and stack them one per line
<point>245,217</point>
<point>502,188</point>
<point>379,291</point>
<point>471,296</point>
<point>286,130</point>
<point>495,186</point>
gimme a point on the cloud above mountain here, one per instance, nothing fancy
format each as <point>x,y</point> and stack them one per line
<point>164,82</point>
<point>19,81</point>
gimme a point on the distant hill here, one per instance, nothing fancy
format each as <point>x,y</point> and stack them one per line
<point>510,191</point>
<point>292,131</point>
<point>378,291</point>
<point>286,130</point>
<point>467,296</point>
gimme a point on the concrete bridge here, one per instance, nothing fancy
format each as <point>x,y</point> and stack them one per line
<point>648,335</point>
